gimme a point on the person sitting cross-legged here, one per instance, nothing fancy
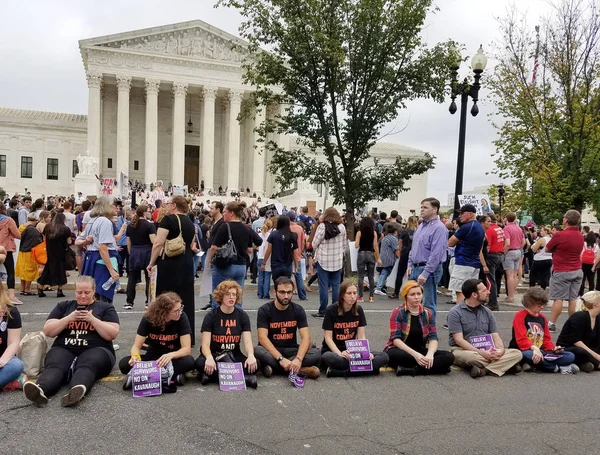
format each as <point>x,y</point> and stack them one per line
<point>471,318</point>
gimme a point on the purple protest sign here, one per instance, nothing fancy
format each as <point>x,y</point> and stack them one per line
<point>552,356</point>
<point>360,355</point>
<point>231,376</point>
<point>146,379</point>
<point>485,342</point>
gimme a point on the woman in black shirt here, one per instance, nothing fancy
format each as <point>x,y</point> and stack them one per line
<point>281,249</point>
<point>84,331</point>
<point>140,236</point>
<point>165,329</point>
<point>223,331</point>
<point>368,255</point>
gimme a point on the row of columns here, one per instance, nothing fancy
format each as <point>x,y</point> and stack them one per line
<point>152,87</point>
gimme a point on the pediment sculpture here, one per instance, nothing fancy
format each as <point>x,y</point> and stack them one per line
<point>87,164</point>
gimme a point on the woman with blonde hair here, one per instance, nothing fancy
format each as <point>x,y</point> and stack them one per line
<point>223,330</point>
<point>27,269</point>
<point>165,330</point>
<point>11,367</point>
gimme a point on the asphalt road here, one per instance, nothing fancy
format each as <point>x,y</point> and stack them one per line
<point>454,414</point>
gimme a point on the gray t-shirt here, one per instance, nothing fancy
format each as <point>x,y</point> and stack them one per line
<point>101,229</point>
<point>470,322</point>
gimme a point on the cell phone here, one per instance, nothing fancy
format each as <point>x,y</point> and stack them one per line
<point>82,308</point>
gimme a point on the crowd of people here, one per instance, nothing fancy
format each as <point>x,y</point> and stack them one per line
<point>105,239</point>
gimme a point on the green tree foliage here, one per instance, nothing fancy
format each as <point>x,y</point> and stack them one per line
<point>342,69</point>
<point>548,132</point>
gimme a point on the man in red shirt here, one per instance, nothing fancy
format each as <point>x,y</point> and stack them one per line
<point>497,242</point>
<point>566,247</point>
<point>512,255</point>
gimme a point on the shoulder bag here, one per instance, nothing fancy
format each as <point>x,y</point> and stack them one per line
<point>226,253</point>
<point>176,246</point>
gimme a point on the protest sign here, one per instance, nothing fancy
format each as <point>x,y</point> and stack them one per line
<point>146,379</point>
<point>483,342</point>
<point>153,276</point>
<point>360,355</point>
<point>231,376</point>
<point>107,186</point>
<point>480,201</point>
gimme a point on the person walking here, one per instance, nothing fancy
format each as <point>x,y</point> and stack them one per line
<point>368,255</point>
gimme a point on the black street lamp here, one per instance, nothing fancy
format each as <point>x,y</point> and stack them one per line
<point>464,89</point>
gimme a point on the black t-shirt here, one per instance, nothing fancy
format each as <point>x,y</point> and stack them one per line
<point>81,335</point>
<point>282,247</point>
<point>226,330</point>
<point>366,241</point>
<point>169,222</point>
<point>406,236</point>
<point>579,328</point>
<point>8,322</point>
<point>162,341</point>
<point>14,214</point>
<point>414,340</point>
<point>204,241</point>
<point>243,238</point>
<point>282,325</point>
<point>215,228</point>
<point>140,234</point>
<point>344,327</point>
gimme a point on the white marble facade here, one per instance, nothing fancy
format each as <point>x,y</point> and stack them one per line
<point>144,88</point>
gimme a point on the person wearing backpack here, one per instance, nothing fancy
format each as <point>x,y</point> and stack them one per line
<point>588,259</point>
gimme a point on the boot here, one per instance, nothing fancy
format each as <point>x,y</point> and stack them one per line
<point>404,371</point>
<point>333,373</point>
<point>251,381</point>
<point>41,293</point>
<point>59,293</point>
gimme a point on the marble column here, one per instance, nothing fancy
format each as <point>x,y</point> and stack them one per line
<point>178,134</point>
<point>151,151</point>
<point>258,155</point>
<point>94,122</point>
<point>123,87</point>
<point>209,94</point>
<point>233,156</point>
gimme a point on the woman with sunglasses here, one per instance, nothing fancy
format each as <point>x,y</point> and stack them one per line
<point>165,329</point>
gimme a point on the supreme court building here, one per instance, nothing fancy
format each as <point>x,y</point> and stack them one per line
<point>163,105</point>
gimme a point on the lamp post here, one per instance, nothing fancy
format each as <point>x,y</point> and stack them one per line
<point>465,90</point>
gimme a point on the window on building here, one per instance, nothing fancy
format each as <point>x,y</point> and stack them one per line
<point>52,169</point>
<point>110,163</point>
<point>136,165</point>
<point>75,168</point>
<point>26,167</point>
<point>2,165</point>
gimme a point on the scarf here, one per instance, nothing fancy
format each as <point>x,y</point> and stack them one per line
<point>331,230</point>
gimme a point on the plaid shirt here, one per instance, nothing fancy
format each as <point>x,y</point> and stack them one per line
<point>330,253</point>
<point>400,325</point>
<point>387,251</point>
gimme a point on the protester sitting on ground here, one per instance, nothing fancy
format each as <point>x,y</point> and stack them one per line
<point>223,330</point>
<point>471,318</point>
<point>531,336</point>
<point>413,344</point>
<point>345,320</point>
<point>82,352</point>
<point>278,350</point>
<point>165,330</point>
<point>11,367</point>
<point>581,333</point>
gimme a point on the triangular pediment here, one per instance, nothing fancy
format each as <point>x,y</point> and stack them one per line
<point>194,39</point>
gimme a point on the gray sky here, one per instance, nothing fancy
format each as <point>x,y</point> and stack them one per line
<point>42,68</point>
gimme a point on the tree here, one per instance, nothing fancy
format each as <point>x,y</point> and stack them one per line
<point>550,130</point>
<point>342,69</point>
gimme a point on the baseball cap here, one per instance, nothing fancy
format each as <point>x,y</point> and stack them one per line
<point>468,208</point>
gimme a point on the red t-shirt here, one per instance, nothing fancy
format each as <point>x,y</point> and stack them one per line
<point>495,237</point>
<point>566,247</point>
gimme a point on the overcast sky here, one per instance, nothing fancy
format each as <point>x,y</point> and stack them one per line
<point>41,66</point>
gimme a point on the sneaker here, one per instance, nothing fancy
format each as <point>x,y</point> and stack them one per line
<point>587,367</point>
<point>476,372</point>
<point>116,346</point>
<point>267,371</point>
<point>360,300</point>
<point>15,301</point>
<point>570,369</point>
<point>446,326</point>
<point>146,305</point>
<point>128,306</point>
<point>74,396</point>
<point>526,368</point>
<point>35,394</point>
<point>180,379</point>
<point>17,384</point>
<point>309,372</point>
<point>551,327</point>
<point>318,315</point>
<point>128,383</point>
<point>371,299</point>
<point>379,292</point>
<point>204,378</point>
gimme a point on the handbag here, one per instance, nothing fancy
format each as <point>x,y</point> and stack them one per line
<point>226,253</point>
<point>39,253</point>
<point>70,259</point>
<point>176,246</point>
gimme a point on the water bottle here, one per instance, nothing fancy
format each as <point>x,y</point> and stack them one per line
<point>106,286</point>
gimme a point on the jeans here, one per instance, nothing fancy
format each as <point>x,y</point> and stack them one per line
<point>235,272</point>
<point>264,279</point>
<point>328,278</point>
<point>10,371</point>
<point>493,261</point>
<point>429,287</point>
<point>366,259</point>
<point>546,365</point>
<point>312,358</point>
<point>300,281</point>
<point>277,272</point>
<point>196,261</point>
<point>385,272</point>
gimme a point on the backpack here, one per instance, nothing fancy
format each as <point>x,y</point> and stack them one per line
<point>588,256</point>
<point>32,352</point>
<point>79,221</point>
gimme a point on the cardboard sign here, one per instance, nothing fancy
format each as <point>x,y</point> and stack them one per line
<point>146,379</point>
<point>271,210</point>
<point>480,201</point>
<point>360,355</point>
<point>231,376</point>
<point>107,186</point>
<point>483,342</point>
